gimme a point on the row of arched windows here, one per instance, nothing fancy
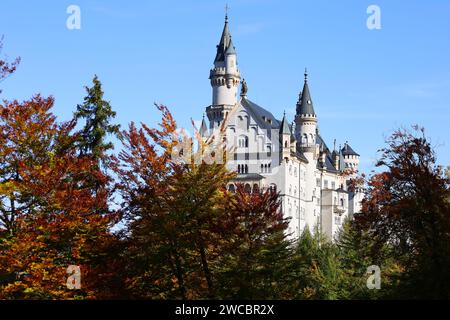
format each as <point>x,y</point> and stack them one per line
<point>242,168</point>
<point>266,168</point>
<point>307,139</point>
<point>248,188</point>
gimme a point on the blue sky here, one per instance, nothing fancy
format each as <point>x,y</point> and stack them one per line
<point>364,83</point>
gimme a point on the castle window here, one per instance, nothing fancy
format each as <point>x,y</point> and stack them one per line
<point>243,142</point>
<point>255,188</point>
<point>269,150</point>
<point>231,188</point>
<point>285,144</point>
<point>305,139</point>
<point>270,170</point>
<point>247,188</point>
<point>265,168</point>
<point>325,184</point>
<point>318,182</point>
<point>246,168</point>
<point>239,168</point>
<point>262,167</point>
<point>342,202</point>
<point>295,172</point>
<point>333,185</point>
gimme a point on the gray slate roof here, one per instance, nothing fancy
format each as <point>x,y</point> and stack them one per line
<point>305,105</point>
<point>328,159</point>
<point>348,151</point>
<point>224,43</point>
<point>260,114</point>
<point>284,126</point>
<point>248,176</point>
<point>203,128</point>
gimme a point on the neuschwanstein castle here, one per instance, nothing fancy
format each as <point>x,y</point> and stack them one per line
<point>292,159</point>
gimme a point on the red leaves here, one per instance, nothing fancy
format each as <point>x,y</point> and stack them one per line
<point>50,211</point>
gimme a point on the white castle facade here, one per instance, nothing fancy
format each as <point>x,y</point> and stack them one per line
<point>292,159</point>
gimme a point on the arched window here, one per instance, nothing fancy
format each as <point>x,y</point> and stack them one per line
<point>285,144</point>
<point>232,188</point>
<point>246,168</point>
<point>255,188</point>
<point>305,139</point>
<point>262,167</point>
<point>342,202</point>
<point>270,170</point>
<point>243,142</point>
<point>265,168</point>
<point>247,188</point>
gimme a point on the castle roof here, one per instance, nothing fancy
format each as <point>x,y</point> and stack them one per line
<point>203,128</point>
<point>348,151</point>
<point>284,126</point>
<point>328,158</point>
<point>264,117</point>
<point>305,105</point>
<point>224,43</point>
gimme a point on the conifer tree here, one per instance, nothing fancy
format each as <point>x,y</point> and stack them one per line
<point>97,114</point>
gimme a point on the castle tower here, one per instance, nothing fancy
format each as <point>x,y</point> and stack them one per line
<point>225,78</point>
<point>305,120</point>
<point>306,133</point>
<point>351,158</point>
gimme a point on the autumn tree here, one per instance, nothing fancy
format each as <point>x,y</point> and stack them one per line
<point>46,209</point>
<point>254,263</point>
<point>407,207</point>
<point>6,68</point>
<point>174,208</point>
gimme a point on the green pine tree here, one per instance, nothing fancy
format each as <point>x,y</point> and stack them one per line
<point>97,114</point>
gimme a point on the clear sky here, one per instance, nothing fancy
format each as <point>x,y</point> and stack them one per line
<point>364,83</point>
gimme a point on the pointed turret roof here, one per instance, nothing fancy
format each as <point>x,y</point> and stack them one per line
<point>224,43</point>
<point>305,105</point>
<point>203,128</point>
<point>284,126</point>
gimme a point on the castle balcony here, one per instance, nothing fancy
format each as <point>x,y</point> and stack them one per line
<point>338,209</point>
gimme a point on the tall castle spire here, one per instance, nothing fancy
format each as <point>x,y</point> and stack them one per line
<point>305,118</point>
<point>225,78</point>
<point>305,105</point>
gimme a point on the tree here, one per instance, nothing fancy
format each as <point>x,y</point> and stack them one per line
<point>97,114</point>
<point>174,208</point>
<point>52,220</point>
<point>6,68</point>
<point>407,207</point>
<point>255,261</point>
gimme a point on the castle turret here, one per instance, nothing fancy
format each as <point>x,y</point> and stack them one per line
<point>351,158</point>
<point>305,119</point>
<point>285,139</point>
<point>203,128</point>
<point>225,78</point>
